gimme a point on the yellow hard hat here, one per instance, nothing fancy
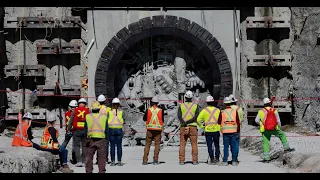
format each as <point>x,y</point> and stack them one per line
<point>95,105</point>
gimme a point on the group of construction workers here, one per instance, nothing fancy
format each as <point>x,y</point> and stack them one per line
<point>93,129</point>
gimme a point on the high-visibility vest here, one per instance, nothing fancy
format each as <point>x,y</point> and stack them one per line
<point>211,116</point>
<point>47,141</point>
<point>79,117</point>
<point>104,109</point>
<point>263,114</point>
<point>188,111</point>
<point>96,124</point>
<point>21,136</point>
<point>67,117</point>
<point>239,110</point>
<point>229,121</point>
<point>154,119</point>
<point>115,120</point>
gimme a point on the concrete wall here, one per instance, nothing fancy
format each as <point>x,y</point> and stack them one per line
<point>107,23</point>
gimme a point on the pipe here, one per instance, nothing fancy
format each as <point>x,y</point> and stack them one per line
<point>89,48</point>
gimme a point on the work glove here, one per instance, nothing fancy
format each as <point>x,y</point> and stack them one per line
<point>69,134</point>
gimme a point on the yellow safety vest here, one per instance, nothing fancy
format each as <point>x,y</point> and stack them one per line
<point>96,124</point>
<point>188,111</point>
<point>240,112</point>
<point>263,114</point>
<point>104,109</point>
<point>209,116</point>
<point>115,121</point>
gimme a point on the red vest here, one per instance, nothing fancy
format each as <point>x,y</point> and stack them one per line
<point>67,116</point>
<point>79,117</point>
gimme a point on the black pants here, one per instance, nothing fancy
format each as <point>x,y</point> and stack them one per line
<point>213,137</point>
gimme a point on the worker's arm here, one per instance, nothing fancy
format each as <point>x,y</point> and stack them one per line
<point>240,114</point>
<point>194,119</point>
<point>257,120</point>
<point>52,132</point>
<point>238,122</point>
<point>180,116</point>
<point>200,119</point>
<point>220,118</point>
<point>106,131</point>
<point>29,132</point>
<point>70,121</point>
<point>124,120</point>
<point>278,118</point>
<point>163,115</point>
<point>145,116</point>
<point>85,131</point>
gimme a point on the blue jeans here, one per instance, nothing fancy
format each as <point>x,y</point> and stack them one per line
<point>231,139</point>
<point>115,138</point>
<point>213,137</point>
<point>63,153</point>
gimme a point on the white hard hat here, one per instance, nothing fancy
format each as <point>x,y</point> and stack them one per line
<point>232,98</point>
<point>82,100</point>
<point>101,98</point>
<point>73,103</point>
<point>155,99</point>
<point>188,94</point>
<point>226,100</point>
<point>115,101</point>
<point>209,99</point>
<point>52,117</point>
<point>266,100</point>
<point>27,115</point>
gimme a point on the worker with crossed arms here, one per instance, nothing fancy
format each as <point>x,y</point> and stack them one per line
<point>187,115</point>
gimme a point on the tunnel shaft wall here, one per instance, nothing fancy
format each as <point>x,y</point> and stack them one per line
<point>104,25</point>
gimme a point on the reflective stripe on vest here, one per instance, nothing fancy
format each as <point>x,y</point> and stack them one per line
<point>20,135</point>
<point>153,122</point>
<point>229,123</point>
<point>212,119</point>
<point>188,111</point>
<point>115,121</point>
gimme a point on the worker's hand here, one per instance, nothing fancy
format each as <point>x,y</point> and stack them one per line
<point>202,134</point>
<point>69,134</point>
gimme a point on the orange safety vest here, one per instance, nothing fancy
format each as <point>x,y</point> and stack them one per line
<point>21,136</point>
<point>79,117</point>
<point>154,119</point>
<point>67,115</point>
<point>229,121</point>
<point>47,141</point>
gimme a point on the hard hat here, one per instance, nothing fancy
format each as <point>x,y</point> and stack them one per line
<point>155,99</point>
<point>27,115</point>
<point>73,103</point>
<point>266,100</point>
<point>115,101</point>
<point>95,105</point>
<point>209,99</point>
<point>52,117</point>
<point>188,94</point>
<point>226,100</point>
<point>101,98</point>
<point>232,98</point>
<point>82,100</point>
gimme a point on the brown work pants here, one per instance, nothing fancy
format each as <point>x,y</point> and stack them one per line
<point>98,145</point>
<point>193,136</point>
<point>156,136</point>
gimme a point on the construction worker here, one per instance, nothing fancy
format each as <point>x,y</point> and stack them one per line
<point>72,105</point>
<point>235,106</point>
<point>230,129</point>
<point>187,114</point>
<point>208,120</point>
<point>23,134</point>
<point>154,118</point>
<point>104,110</point>
<point>76,129</point>
<point>96,130</point>
<point>49,142</point>
<point>115,124</point>
<point>266,117</point>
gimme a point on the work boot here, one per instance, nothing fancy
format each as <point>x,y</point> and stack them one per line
<point>195,163</point>
<point>181,163</point>
<point>79,164</point>
<point>156,162</point>
<point>215,161</point>
<point>144,163</point>
<point>66,169</point>
<point>223,164</point>
<point>289,150</point>
<point>120,163</point>
<point>112,163</point>
<point>235,163</point>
